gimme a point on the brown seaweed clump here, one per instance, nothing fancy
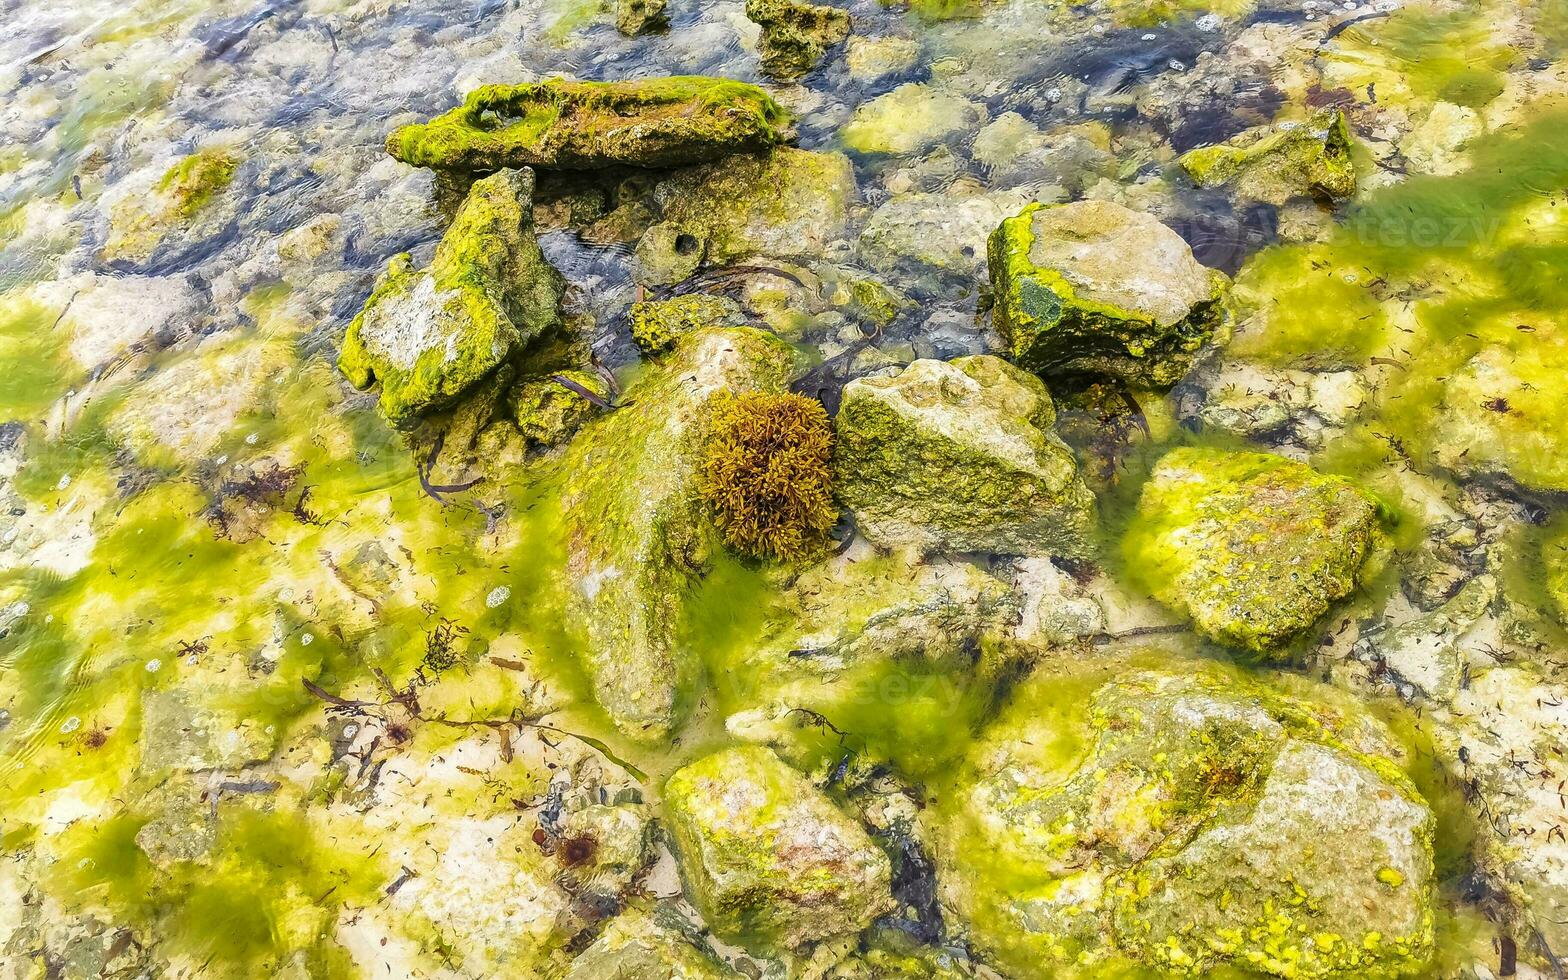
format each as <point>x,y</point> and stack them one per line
<point>766,474</point>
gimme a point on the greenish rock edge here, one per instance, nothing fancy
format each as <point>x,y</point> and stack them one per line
<point>638,535</point>
<point>1182,819</point>
<point>1278,163</point>
<point>430,335</point>
<point>558,124</point>
<point>1254,548</point>
<point>1076,294</point>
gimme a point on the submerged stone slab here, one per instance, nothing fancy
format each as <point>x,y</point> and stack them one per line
<point>1276,163</point>
<point>1253,547</point>
<point>430,335</point>
<point>637,535</point>
<point>562,125</point>
<point>960,456</point>
<point>766,857</point>
<point>1093,288</point>
<point>784,203</point>
<point>1181,818</point>
<point>795,34</point>
<point>638,946</point>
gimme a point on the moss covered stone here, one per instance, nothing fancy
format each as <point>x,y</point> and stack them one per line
<point>1554,556</point>
<point>549,409</point>
<point>784,203</point>
<point>557,124</point>
<point>637,535</point>
<point>1181,818</point>
<point>766,857</point>
<point>796,34</point>
<point>909,119</point>
<point>633,17</point>
<point>1500,414</point>
<point>657,324</point>
<point>1253,547</point>
<point>960,456</point>
<point>138,224</point>
<point>429,335</point>
<point>1094,288</point>
<point>1275,164</point>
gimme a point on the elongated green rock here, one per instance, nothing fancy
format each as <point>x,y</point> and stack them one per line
<point>960,456</point>
<point>766,857</point>
<point>1277,163</point>
<point>1253,547</point>
<point>637,534</point>
<point>1092,288</point>
<point>562,125</point>
<point>430,335</point>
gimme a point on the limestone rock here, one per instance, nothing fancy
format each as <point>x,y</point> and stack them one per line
<point>940,238</point>
<point>784,203</point>
<point>767,857</point>
<point>1423,653</point>
<point>909,119</point>
<point>1274,164</point>
<point>633,17</point>
<point>960,456</point>
<point>1181,818</point>
<point>562,125</point>
<point>636,534</point>
<point>183,735</point>
<point>430,335</point>
<point>873,58</point>
<point>1094,288</point>
<point>796,34</point>
<point>657,324</point>
<point>548,410</point>
<point>1252,547</point>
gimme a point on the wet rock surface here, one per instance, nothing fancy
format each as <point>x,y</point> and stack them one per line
<point>960,456</point>
<point>289,691</point>
<point>1095,288</point>
<point>1254,548</point>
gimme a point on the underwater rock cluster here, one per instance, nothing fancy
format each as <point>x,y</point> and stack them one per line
<point>937,491</point>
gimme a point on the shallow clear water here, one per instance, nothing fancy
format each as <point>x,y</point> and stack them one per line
<point>193,500</point>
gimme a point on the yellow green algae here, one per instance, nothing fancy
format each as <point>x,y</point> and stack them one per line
<point>175,200</point>
<point>584,125</point>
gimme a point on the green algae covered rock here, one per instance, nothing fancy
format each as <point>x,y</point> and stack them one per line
<point>1094,288</point>
<point>637,946</point>
<point>633,17</point>
<point>139,223</point>
<point>1554,556</point>
<point>562,125</point>
<point>657,324</point>
<point>1275,164</point>
<point>766,857</point>
<point>637,534</point>
<point>784,203</point>
<point>909,119</point>
<point>1172,815</point>
<point>895,653</point>
<point>429,335</point>
<point>796,34</point>
<point>1500,415</point>
<point>1252,547</point>
<point>960,456</point>
<point>550,409</point>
